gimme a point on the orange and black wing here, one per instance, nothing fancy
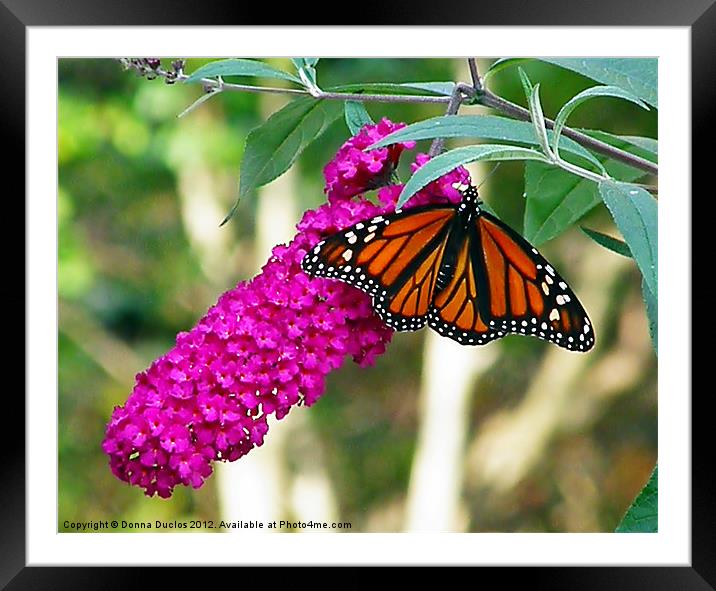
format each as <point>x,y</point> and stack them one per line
<point>521,293</point>
<point>394,258</point>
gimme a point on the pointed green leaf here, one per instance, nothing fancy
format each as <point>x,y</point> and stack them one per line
<point>413,88</point>
<point>445,88</point>
<point>537,116</point>
<point>356,116</point>
<point>488,127</point>
<point>239,67</point>
<point>608,242</point>
<point>643,514</point>
<point>448,161</point>
<point>526,83</point>
<point>635,75</point>
<point>635,213</point>
<point>645,147</point>
<point>271,148</point>
<point>503,63</point>
<point>595,91</point>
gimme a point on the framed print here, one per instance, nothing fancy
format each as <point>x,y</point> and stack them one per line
<point>216,235</point>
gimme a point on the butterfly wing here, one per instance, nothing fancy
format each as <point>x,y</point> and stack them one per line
<point>394,258</point>
<point>522,292</point>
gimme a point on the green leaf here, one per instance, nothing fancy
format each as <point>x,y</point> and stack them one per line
<point>608,242</point>
<point>537,116</point>
<point>595,91</point>
<point>557,199</point>
<point>434,88</point>
<point>503,63</point>
<point>356,116</point>
<point>635,75</point>
<point>645,147</point>
<point>448,161</point>
<point>488,127</point>
<point>643,514</point>
<point>444,88</point>
<point>645,143</point>
<point>526,83</point>
<point>271,148</point>
<point>652,314</point>
<point>239,67</point>
<point>635,213</point>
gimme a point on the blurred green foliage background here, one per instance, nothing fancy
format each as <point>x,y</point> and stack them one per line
<point>132,275</point>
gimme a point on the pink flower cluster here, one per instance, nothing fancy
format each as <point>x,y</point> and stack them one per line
<point>265,346</point>
<point>354,171</point>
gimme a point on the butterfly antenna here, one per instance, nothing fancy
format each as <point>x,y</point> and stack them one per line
<point>494,168</point>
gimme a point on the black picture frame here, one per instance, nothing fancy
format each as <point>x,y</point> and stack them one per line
<point>699,15</point>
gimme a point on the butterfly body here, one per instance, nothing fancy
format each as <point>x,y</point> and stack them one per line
<point>458,269</point>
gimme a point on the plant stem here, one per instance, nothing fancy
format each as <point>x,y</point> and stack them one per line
<point>478,94</point>
<point>319,94</point>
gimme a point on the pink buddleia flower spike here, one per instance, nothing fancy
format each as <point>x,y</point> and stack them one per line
<point>264,347</point>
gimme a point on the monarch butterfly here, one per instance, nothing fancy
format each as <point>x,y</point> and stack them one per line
<point>458,269</point>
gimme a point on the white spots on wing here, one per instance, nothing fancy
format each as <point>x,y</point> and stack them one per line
<point>545,288</point>
<point>563,285</point>
<point>372,228</point>
<point>560,300</point>
<point>369,237</point>
<point>586,328</point>
<point>548,279</point>
<point>360,226</point>
<point>554,315</point>
<point>347,255</point>
<point>377,219</point>
<point>550,270</point>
